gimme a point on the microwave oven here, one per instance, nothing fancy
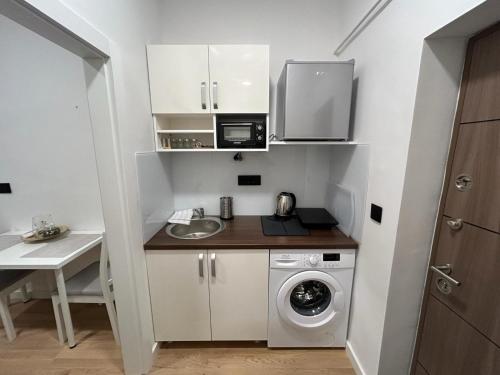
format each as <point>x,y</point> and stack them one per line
<point>241,131</point>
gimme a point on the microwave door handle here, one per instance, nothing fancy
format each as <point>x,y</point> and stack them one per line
<point>216,100</point>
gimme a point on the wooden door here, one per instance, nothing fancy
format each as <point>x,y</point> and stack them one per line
<point>179,78</point>
<point>450,346</point>
<point>474,187</point>
<point>474,258</point>
<point>178,285</point>
<point>238,294</point>
<point>239,78</point>
<point>482,95</point>
<point>459,330</point>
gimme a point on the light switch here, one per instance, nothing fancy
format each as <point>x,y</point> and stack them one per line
<point>376,213</point>
<point>5,188</point>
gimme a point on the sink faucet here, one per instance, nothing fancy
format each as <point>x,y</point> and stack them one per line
<point>200,212</point>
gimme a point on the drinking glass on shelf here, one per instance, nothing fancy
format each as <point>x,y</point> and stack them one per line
<point>42,223</point>
<point>195,143</point>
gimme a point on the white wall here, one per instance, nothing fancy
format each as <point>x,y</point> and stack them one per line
<point>349,168</point>
<point>200,179</point>
<point>293,28</point>
<point>46,146</point>
<point>155,190</point>
<point>388,55</point>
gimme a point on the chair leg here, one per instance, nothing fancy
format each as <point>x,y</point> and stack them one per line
<point>61,333</point>
<point>26,295</point>
<point>113,320</point>
<point>8,325</point>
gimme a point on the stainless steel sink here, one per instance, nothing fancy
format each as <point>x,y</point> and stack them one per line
<point>198,229</point>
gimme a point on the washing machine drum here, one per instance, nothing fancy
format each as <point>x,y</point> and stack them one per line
<point>310,299</point>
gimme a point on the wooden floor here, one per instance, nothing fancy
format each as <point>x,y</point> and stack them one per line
<point>36,351</point>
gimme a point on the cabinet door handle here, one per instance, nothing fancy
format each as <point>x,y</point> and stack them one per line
<point>215,96</point>
<point>203,95</point>
<point>200,264</point>
<point>212,264</point>
<point>455,224</point>
<point>443,272</point>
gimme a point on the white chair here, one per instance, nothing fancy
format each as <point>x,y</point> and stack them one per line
<point>91,285</point>
<point>10,281</point>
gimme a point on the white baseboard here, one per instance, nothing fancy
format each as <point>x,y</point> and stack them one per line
<point>155,348</point>
<point>354,360</point>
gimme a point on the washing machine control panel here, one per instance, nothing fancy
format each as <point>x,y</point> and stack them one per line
<point>328,260</point>
<point>312,259</point>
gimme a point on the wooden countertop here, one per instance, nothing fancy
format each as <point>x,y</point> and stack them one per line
<point>245,232</point>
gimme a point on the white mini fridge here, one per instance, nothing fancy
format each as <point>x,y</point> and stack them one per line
<point>314,100</point>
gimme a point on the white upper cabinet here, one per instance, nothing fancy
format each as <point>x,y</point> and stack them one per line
<point>198,79</point>
<point>179,78</point>
<point>239,78</point>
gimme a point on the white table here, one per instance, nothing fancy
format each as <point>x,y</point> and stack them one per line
<point>50,255</point>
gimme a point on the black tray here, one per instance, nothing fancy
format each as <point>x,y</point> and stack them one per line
<point>276,226</point>
<point>316,218</point>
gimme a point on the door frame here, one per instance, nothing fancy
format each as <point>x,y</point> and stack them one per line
<point>447,178</point>
<point>56,22</point>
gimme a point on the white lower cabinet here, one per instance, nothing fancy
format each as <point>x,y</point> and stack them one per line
<point>239,294</point>
<point>199,295</point>
<point>179,295</point>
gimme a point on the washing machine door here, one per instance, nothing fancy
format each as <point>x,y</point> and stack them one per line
<point>310,299</point>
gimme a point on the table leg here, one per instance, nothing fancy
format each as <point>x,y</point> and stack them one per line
<point>63,299</point>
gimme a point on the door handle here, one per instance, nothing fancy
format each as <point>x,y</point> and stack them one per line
<point>215,96</point>
<point>212,264</point>
<point>463,182</point>
<point>443,272</point>
<point>203,95</point>
<point>455,224</point>
<point>200,264</point>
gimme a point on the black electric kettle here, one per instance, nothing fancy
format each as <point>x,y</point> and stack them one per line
<point>285,204</point>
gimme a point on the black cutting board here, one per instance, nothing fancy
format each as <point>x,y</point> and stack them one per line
<point>315,218</point>
<point>275,226</point>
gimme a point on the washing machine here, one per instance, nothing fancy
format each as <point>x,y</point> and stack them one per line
<point>309,297</point>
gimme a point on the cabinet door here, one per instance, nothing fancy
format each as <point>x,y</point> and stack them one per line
<point>475,176</point>
<point>179,78</point>
<point>178,284</point>
<point>239,78</point>
<point>238,294</point>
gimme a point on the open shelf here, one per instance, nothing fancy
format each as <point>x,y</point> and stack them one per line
<point>207,149</point>
<point>187,131</point>
<point>184,141</point>
<point>174,131</point>
<point>316,143</point>
<point>184,123</point>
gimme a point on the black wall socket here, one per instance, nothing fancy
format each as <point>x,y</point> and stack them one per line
<point>5,188</point>
<point>249,179</point>
<point>376,213</point>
